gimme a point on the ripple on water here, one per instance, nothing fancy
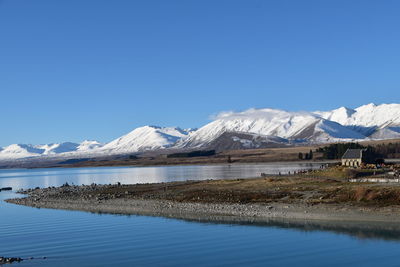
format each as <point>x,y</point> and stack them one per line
<point>71,238</point>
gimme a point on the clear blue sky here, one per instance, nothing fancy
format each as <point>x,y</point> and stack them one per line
<point>93,69</point>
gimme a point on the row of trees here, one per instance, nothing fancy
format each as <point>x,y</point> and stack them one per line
<point>336,151</point>
<point>391,150</point>
<point>199,153</point>
<point>306,156</point>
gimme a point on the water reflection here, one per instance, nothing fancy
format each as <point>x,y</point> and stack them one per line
<point>132,175</point>
<point>361,230</point>
<point>55,177</point>
<point>74,238</point>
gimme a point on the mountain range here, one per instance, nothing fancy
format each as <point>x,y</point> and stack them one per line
<point>253,128</point>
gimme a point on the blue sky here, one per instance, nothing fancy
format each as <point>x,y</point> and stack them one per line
<point>72,70</point>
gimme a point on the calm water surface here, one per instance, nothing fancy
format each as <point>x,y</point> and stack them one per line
<point>72,238</point>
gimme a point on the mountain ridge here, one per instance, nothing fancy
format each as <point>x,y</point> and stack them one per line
<point>246,129</point>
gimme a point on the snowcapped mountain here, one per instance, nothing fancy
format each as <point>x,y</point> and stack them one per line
<point>15,151</point>
<point>236,140</point>
<point>58,148</point>
<point>88,145</point>
<point>145,138</point>
<point>140,139</point>
<point>271,122</point>
<point>370,115</point>
<point>253,128</point>
<point>338,115</point>
<point>19,151</point>
<point>373,121</point>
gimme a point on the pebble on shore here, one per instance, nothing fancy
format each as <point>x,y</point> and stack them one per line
<point>6,260</point>
<point>6,189</point>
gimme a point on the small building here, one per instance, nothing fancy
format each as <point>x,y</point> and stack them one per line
<point>353,157</point>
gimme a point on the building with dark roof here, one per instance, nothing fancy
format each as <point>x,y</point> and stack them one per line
<point>353,157</point>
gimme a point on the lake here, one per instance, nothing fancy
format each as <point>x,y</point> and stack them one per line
<point>73,238</point>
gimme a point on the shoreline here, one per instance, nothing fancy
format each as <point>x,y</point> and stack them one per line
<point>180,164</point>
<point>111,164</point>
<point>221,212</point>
<point>237,200</point>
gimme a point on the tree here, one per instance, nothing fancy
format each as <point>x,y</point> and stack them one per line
<point>301,155</point>
<point>336,151</point>
<point>310,155</point>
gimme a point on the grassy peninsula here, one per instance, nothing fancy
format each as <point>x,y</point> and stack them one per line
<point>322,195</point>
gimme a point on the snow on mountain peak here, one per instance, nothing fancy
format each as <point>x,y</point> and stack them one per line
<point>367,106</point>
<point>23,150</point>
<point>343,124</point>
<point>89,145</point>
<point>140,139</point>
<point>339,115</point>
<point>145,138</point>
<point>58,148</point>
<point>20,151</point>
<point>270,122</point>
<point>369,115</point>
<point>333,131</point>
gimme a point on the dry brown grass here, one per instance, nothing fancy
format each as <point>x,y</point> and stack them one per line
<point>371,195</point>
<point>294,189</point>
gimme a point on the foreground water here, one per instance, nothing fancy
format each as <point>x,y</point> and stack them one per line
<point>71,238</point>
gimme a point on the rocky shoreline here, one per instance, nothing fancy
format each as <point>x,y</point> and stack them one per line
<point>172,200</point>
<point>9,260</point>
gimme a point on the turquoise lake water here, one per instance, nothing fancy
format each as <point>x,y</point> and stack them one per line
<point>73,238</point>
